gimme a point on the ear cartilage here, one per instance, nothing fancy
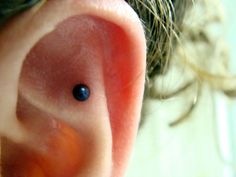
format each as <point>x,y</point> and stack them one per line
<point>81,92</point>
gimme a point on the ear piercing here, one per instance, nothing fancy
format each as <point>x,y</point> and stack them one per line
<point>81,92</point>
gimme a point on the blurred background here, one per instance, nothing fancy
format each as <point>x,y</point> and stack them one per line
<point>227,122</point>
<point>202,146</point>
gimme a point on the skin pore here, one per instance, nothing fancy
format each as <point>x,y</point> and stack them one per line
<point>45,131</point>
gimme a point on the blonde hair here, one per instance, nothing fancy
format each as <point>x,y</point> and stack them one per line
<point>184,34</point>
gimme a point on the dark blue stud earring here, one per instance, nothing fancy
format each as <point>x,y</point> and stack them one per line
<point>81,92</point>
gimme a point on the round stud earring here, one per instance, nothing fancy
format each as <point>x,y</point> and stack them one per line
<point>81,92</point>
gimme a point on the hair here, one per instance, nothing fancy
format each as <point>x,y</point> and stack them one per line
<point>9,8</point>
<point>177,35</point>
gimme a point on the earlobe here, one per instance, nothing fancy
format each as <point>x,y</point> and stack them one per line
<point>105,53</point>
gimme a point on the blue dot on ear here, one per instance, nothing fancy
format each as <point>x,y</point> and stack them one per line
<point>81,92</point>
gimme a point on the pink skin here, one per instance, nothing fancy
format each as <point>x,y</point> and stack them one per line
<point>97,42</point>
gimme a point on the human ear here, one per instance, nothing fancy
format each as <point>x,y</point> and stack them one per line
<point>46,131</point>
